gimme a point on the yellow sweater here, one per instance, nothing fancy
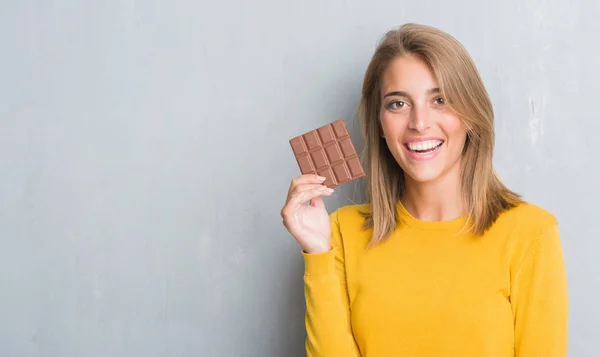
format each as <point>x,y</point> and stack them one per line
<point>428,292</point>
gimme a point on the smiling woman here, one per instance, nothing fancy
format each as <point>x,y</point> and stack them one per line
<point>417,125</point>
<point>444,259</point>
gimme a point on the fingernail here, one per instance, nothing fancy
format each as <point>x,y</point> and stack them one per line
<point>321,178</point>
<point>329,189</point>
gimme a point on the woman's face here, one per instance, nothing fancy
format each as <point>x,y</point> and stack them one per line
<point>425,137</point>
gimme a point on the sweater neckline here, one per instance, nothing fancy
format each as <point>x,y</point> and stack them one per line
<point>454,225</point>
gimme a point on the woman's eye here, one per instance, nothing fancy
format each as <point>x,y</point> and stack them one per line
<point>439,100</point>
<point>396,104</point>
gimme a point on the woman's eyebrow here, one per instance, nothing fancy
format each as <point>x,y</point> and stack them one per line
<point>397,93</point>
<point>405,94</point>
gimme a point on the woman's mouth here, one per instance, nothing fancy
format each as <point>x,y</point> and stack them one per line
<point>424,147</point>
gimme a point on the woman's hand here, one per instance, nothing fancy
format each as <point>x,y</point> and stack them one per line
<point>308,223</point>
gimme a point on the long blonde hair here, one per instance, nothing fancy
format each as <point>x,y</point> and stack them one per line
<point>461,86</point>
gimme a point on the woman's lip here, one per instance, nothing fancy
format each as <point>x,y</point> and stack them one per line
<point>423,157</point>
<point>418,140</point>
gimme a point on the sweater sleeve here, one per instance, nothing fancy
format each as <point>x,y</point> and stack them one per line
<point>328,327</point>
<point>539,299</point>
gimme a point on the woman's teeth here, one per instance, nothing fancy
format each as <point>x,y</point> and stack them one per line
<point>423,147</point>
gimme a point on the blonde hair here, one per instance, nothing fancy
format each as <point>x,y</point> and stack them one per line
<point>485,196</point>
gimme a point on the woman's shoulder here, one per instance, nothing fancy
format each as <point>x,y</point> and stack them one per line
<point>350,221</point>
<point>520,227</point>
<point>353,214</point>
<point>527,217</point>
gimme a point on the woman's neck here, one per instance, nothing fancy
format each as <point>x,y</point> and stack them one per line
<point>439,200</point>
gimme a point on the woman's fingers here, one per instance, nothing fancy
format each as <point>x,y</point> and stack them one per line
<point>305,179</point>
<point>298,198</point>
<point>303,187</point>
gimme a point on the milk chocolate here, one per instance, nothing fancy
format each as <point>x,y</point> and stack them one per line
<point>328,151</point>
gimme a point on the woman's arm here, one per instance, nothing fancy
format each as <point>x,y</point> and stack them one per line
<point>539,299</point>
<point>329,333</point>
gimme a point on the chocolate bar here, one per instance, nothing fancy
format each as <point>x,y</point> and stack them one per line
<point>328,151</point>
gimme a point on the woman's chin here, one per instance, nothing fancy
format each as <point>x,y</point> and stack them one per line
<point>423,176</point>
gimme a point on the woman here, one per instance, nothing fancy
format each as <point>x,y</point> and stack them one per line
<point>443,260</point>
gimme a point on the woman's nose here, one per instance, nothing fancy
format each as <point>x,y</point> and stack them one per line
<point>419,119</point>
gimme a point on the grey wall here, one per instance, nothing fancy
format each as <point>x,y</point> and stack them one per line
<point>144,159</point>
